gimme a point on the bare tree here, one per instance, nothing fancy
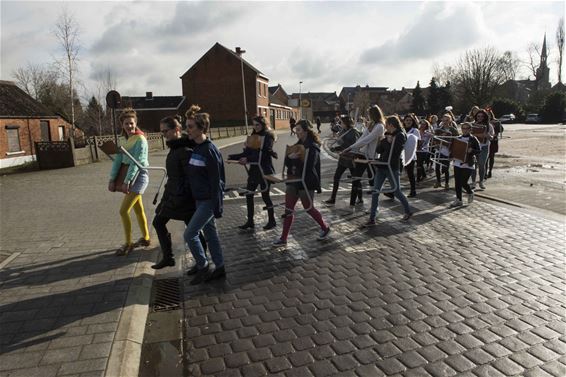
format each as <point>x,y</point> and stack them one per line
<point>560,45</point>
<point>479,72</point>
<point>67,33</point>
<point>34,79</point>
<point>533,58</point>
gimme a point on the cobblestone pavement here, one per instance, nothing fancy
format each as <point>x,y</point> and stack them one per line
<point>476,291</point>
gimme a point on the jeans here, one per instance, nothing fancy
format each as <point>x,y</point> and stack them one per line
<point>482,159</point>
<point>380,176</point>
<point>203,219</point>
<point>410,168</point>
<point>252,185</point>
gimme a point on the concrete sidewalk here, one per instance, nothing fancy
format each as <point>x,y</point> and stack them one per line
<point>68,306</point>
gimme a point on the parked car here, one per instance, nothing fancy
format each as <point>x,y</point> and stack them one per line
<point>507,118</point>
<point>532,118</point>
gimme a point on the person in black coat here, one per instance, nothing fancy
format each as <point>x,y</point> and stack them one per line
<point>294,163</point>
<point>177,202</point>
<point>255,178</point>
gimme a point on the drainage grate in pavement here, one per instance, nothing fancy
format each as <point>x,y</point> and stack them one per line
<point>166,295</point>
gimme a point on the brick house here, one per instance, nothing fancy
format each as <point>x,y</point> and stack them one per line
<point>23,121</point>
<point>151,109</point>
<point>318,104</point>
<point>279,109</point>
<point>214,82</point>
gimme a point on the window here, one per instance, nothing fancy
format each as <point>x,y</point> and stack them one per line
<point>45,134</point>
<point>13,139</point>
<point>258,89</point>
<point>61,130</point>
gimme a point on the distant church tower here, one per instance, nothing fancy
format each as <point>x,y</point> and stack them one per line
<point>542,77</point>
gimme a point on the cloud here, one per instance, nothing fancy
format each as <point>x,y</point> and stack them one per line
<point>440,27</point>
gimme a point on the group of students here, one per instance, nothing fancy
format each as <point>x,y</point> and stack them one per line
<point>197,201</point>
<point>195,186</point>
<point>429,140</point>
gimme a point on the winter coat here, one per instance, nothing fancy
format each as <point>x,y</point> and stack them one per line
<point>177,201</point>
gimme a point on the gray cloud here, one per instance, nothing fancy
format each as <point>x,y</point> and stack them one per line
<point>441,27</point>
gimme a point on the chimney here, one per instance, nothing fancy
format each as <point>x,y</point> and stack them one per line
<point>148,96</point>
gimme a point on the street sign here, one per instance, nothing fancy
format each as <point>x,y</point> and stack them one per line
<point>113,99</point>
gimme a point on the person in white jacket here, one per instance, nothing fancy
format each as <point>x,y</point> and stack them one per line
<point>372,134</point>
<point>411,124</point>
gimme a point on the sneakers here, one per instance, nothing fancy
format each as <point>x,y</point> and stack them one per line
<point>142,242</point>
<point>407,216</point>
<point>470,198</point>
<point>270,225</point>
<point>193,270</point>
<point>279,242</point>
<point>446,186</point>
<point>330,201</point>
<point>218,273</point>
<point>436,184</point>
<point>165,262</point>
<point>482,186</point>
<point>323,234</point>
<point>201,276</point>
<point>456,203</point>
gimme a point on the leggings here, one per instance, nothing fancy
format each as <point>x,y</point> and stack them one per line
<point>133,200</point>
<point>252,185</point>
<point>292,195</point>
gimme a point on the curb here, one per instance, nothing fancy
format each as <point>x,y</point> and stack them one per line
<point>125,354</point>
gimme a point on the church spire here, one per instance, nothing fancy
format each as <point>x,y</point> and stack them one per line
<point>543,53</point>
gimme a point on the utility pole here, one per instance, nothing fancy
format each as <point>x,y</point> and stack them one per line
<point>300,102</point>
<point>240,52</point>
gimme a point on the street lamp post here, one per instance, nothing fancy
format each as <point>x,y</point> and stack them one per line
<point>300,102</point>
<point>239,51</point>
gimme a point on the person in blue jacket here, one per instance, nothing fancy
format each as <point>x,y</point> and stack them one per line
<point>206,173</point>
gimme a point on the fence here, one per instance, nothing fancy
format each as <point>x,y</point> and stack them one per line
<point>54,154</point>
<point>59,154</point>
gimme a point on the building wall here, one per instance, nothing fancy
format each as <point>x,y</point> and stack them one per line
<point>279,117</point>
<point>148,120</point>
<point>215,84</point>
<point>29,132</point>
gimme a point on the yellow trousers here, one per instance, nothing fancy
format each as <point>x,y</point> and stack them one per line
<point>133,200</point>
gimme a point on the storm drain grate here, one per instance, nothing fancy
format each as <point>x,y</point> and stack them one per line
<point>166,295</point>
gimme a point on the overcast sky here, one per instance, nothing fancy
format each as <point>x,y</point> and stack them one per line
<point>327,45</point>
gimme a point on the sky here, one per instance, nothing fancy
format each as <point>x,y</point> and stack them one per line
<point>148,45</point>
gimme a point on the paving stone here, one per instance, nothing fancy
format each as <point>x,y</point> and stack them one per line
<point>82,366</point>
<point>236,360</point>
<point>20,360</point>
<point>440,369</point>
<point>390,366</point>
<point>212,366</point>
<point>412,359</point>
<point>299,359</point>
<point>526,360</point>
<point>369,371</point>
<point>94,351</point>
<point>254,370</point>
<point>323,368</point>
<point>507,366</point>
<point>432,353</point>
<point>322,352</point>
<point>343,347</point>
<point>259,354</point>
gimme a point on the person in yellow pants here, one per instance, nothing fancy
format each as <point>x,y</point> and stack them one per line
<point>126,177</point>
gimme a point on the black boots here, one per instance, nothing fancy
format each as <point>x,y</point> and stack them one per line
<point>167,260</point>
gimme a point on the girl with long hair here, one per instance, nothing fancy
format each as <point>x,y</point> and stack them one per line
<point>134,182</point>
<point>255,178</point>
<point>295,190</point>
<point>393,143</point>
<point>411,124</point>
